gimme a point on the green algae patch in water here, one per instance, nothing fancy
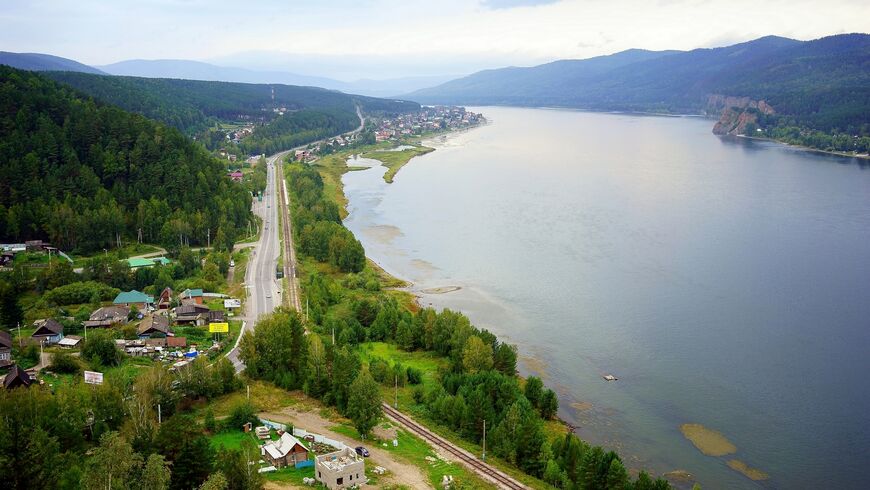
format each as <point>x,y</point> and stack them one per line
<point>708,441</point>
<point>749,472</point>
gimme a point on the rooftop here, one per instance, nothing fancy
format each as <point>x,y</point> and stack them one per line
<point>132,297</point>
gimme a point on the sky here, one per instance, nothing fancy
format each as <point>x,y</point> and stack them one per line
<point>378,39</point>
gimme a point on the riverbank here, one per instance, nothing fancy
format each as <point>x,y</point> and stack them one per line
<point>395,160</point>
<point>804,148</point>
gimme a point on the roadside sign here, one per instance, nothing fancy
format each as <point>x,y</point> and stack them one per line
<point>232,303</point>
<point>93,378</point>
<point>218,327</point>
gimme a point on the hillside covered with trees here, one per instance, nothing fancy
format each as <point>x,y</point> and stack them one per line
<point>195,107</point>
<point>79,173</point>
<point>819,86</point>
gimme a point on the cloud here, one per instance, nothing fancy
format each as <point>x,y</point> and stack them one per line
<point>509,4</point>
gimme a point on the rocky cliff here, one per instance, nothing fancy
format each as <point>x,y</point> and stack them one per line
<point>737,113</point>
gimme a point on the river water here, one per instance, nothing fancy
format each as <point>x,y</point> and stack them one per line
<point>725,282</point>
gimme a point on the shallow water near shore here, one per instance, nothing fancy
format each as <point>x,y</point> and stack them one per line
<point>723,281</point>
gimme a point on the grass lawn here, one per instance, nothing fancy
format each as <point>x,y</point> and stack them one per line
<point>231,439</point>
<point>290,475</point>
<point>129,250</point>
<point>395,160</point>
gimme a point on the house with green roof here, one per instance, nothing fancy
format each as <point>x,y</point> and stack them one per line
<point>139,262</point>
<point>134,298</point>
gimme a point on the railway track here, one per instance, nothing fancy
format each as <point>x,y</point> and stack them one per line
<point>472,462</point>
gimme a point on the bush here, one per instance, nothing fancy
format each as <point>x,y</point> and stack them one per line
<point>100,349</point>
<point>240,415</point>
<point>80,292</point>
<point>64,363</point>
<point>380,370</point>
<point>415,376</point>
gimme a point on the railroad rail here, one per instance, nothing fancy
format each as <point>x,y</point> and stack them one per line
<point>501,479</point>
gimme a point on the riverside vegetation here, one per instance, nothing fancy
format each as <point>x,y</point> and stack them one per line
<point>475,379</point>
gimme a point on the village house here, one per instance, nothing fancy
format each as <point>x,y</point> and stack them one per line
<point>216,316</point>
<point>236,176</point>
<point>192,314</point>
<point>107,316</point>
<point>69,342</point>
<point>17,377</point>
<point>165,299</point>
<point>134,298</point>
<point>153,326</point>
<point>340,469</point>
<point>286,451</point>
<point>5,349</point>
<point>49,332</point>
<point>192,295</point>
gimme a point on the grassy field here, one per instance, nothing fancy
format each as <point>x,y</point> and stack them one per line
<point>417,452</point>
<point>395,160</point>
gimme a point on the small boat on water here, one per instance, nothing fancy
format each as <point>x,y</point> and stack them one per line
<point>609,377</point>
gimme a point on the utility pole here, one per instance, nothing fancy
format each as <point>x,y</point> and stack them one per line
<point>208,236</point>
<point>159,415</point>
<point>484,440</point>
<point>19,336</point>
<point>396,404</point>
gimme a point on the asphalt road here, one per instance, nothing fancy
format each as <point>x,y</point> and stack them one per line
<point>263,289</point>
<point>264,292</point>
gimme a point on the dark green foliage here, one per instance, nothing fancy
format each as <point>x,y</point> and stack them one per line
<point>100,349</point>
<point>78,173</point>
<point>241,414</point>
<point>80,292</point>
<point>276,350</point>
<point>193,106</point>
<point>239,466</point>
<point>11,314</point>
<point>180,441</point>
<point>317,223</point>
<point>364,403</point>
<point>64,363</point>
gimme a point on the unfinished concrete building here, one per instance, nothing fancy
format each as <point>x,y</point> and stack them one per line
<point>340,469</point>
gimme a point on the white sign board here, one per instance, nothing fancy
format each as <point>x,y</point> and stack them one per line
<point>232,303</point>
<point>93,377</point>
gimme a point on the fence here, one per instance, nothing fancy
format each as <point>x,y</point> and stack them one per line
<point>274,425</point>
<point>301,433</point>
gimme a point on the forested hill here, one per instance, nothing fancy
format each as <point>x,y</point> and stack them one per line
<point>43,62</point>
<point>822,84</point>
<point>78,173</point>
<point>194,106</point>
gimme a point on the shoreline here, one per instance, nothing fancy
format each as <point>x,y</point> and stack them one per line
<point>677,115</point>
<point>802,147</point>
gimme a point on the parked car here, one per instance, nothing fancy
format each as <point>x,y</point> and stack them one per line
<point>362,451</point>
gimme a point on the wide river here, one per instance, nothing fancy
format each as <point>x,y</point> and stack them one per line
<point>725,282</point>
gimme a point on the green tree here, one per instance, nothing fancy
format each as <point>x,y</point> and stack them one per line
<point>534,390</point>
<point>216,481</point>
<point>364,403</point>
<point>476,356</point>
<point>100,349</point>
<point>111,465</point>
<point>11,314</point>
<point>240,468</point>
<point>155,474</point>
<point>617,476</point>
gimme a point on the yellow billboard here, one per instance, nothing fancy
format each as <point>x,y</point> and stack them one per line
<point>218,327</point>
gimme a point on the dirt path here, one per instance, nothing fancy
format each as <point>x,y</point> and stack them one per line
<point>399,472</point>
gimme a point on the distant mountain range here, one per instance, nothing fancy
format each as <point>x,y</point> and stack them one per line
<point>823,84</point>
<point>198,70</point>
<point>44,62</point>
